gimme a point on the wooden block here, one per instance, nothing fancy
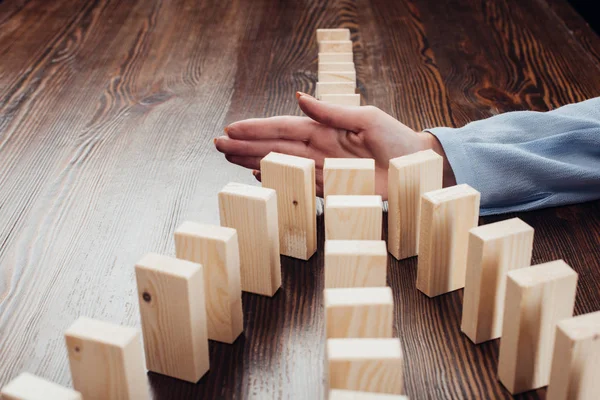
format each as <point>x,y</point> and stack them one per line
<point>324,88</point>
<point>216,249</point>
<point>173,313</point>
<point>335,46</point>
<point>447,215</point>
<point>536,299</point>
<point>576,359</point>
<point>336,57</point>
<point>353,217</point>
<point>337,66</point>
<point>252,211</point>
<point>409,177</point>
<point>494,249</point>
<point>30,387</point>
<point>338,394</point>
<point>106,360</point>
<point>355,263</point>
<point>369,365</point>
<point>342,99</point>
<point>294,180</point>
<point>348,176</point>
<point>365,312</point>
<point>337,76</point>
<point>333,34</point>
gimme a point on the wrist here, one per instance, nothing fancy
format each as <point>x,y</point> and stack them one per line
<point>430,142</point>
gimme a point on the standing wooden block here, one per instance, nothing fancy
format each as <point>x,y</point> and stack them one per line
<point>576,359</point>
<point>335,46</point>
<point>353,217</point>
<point>338,394</point>
<point>337,66</point>
<point>106,360</point>
<point>342,99</point>
<point>324,88</point>
<point>173,313</point>
<point>216,249</point>
<point>409,177</point>
<point>30,387</point>
<point>536,299</point>
<point>359,312</point>
<point>252,211</point>
<point>337,76</point>
<point>343,176</point>
<point>355,263</point>
<point>447,215</point>
<point>494,249</point>
<point>369,365</point>
<point>336,57</point>
<point>333,34</point>
<point>294,180</point>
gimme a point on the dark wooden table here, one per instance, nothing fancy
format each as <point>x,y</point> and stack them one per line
<point>107,114</point>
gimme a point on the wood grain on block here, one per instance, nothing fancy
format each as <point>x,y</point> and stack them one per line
<point>355,263</point>
<point>408,178</point>
<point>576,359</point>
<point>333,34</point>
<point>447,215</point>
<point>30,387</point>
<point>353,217</point>
<point>216,249</point>
<point>363,312</point>
<point>294,180</point>
<point>337,76</point>
<point>493,250</point>
<point>369,365</point>
<point>336,57</point>
<point>335,46</point>
<point>252,211</point>
<point>106,360</point>
<point>537,298</point>
<point>324,88</point>
<point>342,99</point>
<point>340,394</point>
<point>343,176</point>
<point>173,313</point>
<point>337,66</point>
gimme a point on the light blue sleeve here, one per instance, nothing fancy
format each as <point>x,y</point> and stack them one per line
<point>526,160</point>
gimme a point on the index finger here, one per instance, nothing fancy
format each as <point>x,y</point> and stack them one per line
<point>286,127</point>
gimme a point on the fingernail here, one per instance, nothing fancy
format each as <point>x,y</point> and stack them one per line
<point>254,172</point>
<point>215,141</point>
<point>226,130</point>
<point>299,94</point>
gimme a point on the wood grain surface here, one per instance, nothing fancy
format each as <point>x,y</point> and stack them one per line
<point>107,113</point>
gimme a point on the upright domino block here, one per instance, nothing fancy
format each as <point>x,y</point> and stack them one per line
<point>216,249</point>
<point>336,57</point>
<point>369,365</point>
<point>337,394</point>
<point>173,313</point>
<point>343,176</point>
<point>337,76</point>
<point>324,88</point>
<point>536,299</point>
<point>353,217</point>
<point>359,312</point>
<point>409,177</point>
<point>447,215</point>
<point>30,387</point>
<point>494,249</point>
<point>333,34</point>
<point>337,66</point>
<point>355,263</point>
<point>576,359</point>
<point>252,211</point>
<point>342,99</point>
<point>335,46</point>
<point>294,180</point>
<point>106,360</point>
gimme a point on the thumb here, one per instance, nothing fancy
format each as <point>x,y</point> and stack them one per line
<point>342,117</point>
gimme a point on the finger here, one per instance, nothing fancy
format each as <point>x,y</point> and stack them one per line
<point>351,118</point>
<point>257,175</point>
<point>246,162</point>
<point>282,127</point>
<point>260,148</point>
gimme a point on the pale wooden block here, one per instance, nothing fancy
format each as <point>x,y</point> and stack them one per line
<point>576,359</point>
<point>369,365</point>
<point>294,180</point>
<point>337,76</point>
<point>335,46</point>
<point>216,249</point>
<point>339,394</point>
<point>494,249</point>
<point>363,312</point>
<point>536,299</point>
<point>409,177</point>
<point>342,99</point>
<point>336,66</point>
<point>336,57</point>
<point>355,263</point>
<point>333,34</point>
<point>348,176</point>
<point>106,360</point>
<point>447,215</point>
<point>252,211</point>
<point>30,387</point>
<point>173,313</point>
<point>353,217</point>
<point>324,88</point>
